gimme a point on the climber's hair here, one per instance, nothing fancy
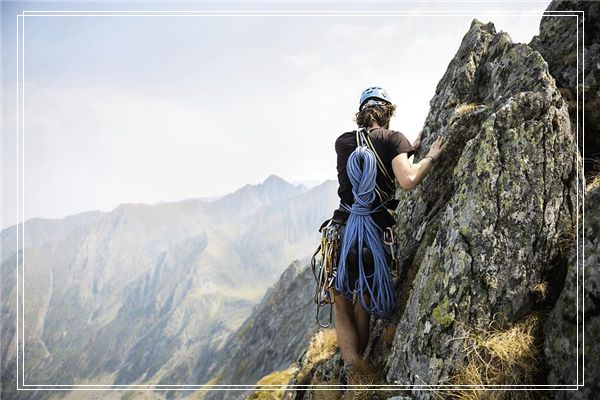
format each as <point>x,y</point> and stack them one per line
<point>380,114</point>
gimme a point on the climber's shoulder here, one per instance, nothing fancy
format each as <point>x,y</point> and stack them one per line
<point>389,135</point>
<point>383,139</point>
<point>395,140</point>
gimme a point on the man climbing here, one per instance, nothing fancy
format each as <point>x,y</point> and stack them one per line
<point>365,286</point>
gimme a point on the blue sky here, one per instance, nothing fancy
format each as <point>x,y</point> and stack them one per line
<point>150,108</point>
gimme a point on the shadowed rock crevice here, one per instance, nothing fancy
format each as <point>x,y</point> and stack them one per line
<point>564,329</point>
<point>558,42</point>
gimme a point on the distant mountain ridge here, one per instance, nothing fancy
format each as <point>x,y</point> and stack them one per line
<point>146,293</point>
<point>249,198</point>
<point>272,337</point>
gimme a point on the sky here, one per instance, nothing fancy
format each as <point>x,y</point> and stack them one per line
<point>127,109</point>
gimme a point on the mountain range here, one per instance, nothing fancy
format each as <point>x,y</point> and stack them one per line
<point>149,293</point>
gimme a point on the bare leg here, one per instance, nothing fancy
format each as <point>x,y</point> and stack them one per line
<point>346,330</point>
<point>363,325</point>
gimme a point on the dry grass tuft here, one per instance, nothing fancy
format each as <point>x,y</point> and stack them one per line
<point>326,394</point>
<point>566,239</point>
<point>363,373</point>
<point>594,181</point>
<point>461,110</point>
<point>498,357</point>
<point>271,392</point>
<point>541,290</point>
<point>322,346</point>
<point>360,395</point>
<point>465,108</point>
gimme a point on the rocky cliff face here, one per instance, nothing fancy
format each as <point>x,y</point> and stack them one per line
<point>558,42</point>
<point>573,326</point>
<point>483,229</point>
<point>573,313</point>
<point>486,238</point>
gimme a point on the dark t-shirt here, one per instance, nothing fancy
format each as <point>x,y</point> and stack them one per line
<point>388,144</point>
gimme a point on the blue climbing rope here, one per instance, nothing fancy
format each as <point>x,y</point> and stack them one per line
<point>361,231</point>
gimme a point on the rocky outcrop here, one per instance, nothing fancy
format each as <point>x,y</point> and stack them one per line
<point>488,275</point>
<point>485,237</point>
<point>482,230</point>
<point>558,43</point>
<point>563,347</point>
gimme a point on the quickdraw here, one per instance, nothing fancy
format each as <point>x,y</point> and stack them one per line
<point>324,266</point>
<point>390,240</point>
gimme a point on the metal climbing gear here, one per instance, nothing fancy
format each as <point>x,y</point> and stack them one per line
<point>324,266</point>
<point>390,241</point>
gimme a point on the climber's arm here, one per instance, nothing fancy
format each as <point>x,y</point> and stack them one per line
<point>408,174</point>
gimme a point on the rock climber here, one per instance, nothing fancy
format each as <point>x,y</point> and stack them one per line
<point>352,321</point>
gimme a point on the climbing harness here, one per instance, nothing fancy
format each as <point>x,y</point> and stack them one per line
<point>324,267</point>
<point>361,230</point>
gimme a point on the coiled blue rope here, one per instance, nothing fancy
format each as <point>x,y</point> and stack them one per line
<point>361,230</point>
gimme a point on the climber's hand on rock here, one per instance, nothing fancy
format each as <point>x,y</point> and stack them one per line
<point>437,147</point>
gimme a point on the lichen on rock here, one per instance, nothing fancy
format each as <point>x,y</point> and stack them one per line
<point>573,325</point>
<point>485,275</point>
<point>494,204</point>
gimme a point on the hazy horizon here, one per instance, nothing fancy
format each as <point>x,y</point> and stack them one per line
<point>208,199</point>
<point>149,109</point>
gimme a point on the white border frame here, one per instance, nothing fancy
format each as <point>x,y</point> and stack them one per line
<point>393,13</point>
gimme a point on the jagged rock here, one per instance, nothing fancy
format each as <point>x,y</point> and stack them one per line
<point>560,344</point>
<point>557,42</point>
<point>319,364</point>
<point>496,205</point>
<point>486,236</point>
<point>316,367</point>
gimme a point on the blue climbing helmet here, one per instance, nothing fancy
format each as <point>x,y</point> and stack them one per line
<point>376,95</point>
